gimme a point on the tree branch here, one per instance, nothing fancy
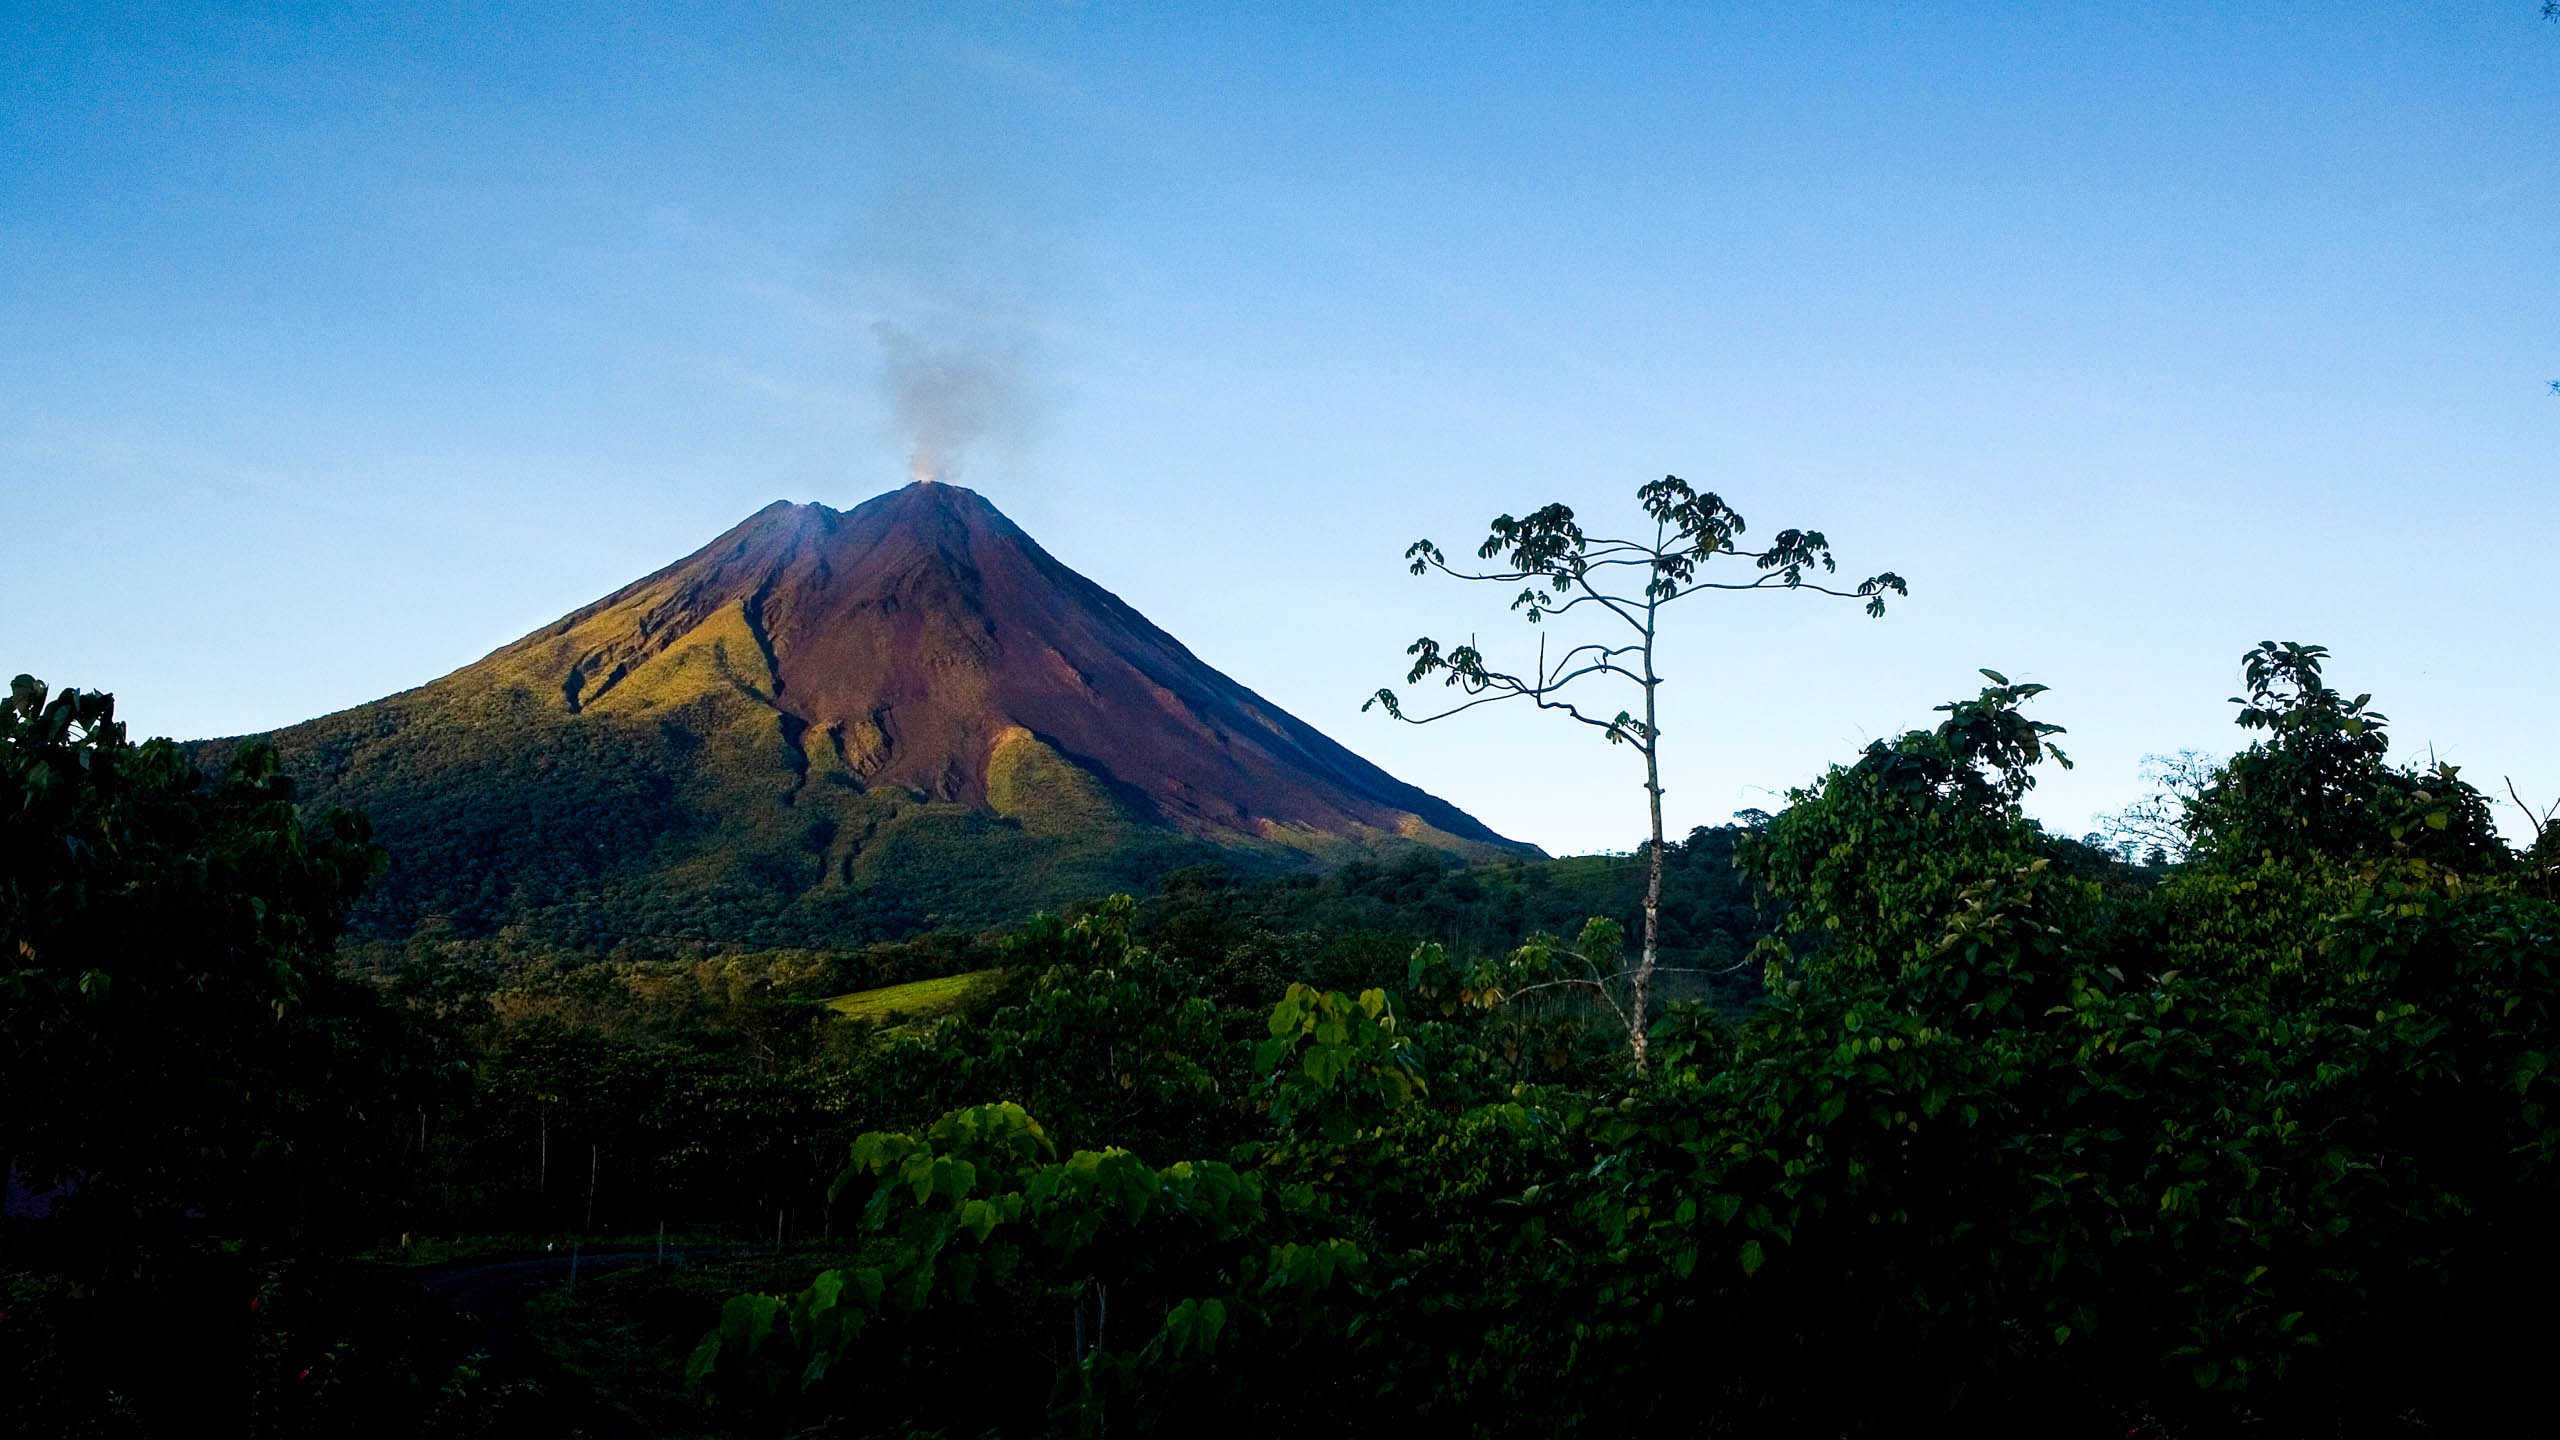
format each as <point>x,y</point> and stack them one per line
<point>2541,823</point>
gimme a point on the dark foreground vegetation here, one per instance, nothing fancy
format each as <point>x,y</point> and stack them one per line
<point>1946,1121</point>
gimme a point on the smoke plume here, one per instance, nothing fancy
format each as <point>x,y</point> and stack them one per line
<point>945,394</point>
<point>958,264</point>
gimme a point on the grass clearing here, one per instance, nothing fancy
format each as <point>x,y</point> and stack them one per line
<point>915,1000</point>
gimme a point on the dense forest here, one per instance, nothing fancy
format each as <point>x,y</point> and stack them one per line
<point>1944,1120</point>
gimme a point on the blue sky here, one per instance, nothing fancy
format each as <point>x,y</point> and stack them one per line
<point>337,349</point>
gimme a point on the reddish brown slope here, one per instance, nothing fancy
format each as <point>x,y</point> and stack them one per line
<point>922,640</point>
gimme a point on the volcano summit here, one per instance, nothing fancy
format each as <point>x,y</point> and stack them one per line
<point>837,724</point>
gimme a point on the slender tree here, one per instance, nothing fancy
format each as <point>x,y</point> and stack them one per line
<point>1562,568</point>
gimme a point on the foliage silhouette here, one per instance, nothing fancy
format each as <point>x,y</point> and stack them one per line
<point>2020,1135</point>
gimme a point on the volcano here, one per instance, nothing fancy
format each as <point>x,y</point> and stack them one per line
<point>840,724</point>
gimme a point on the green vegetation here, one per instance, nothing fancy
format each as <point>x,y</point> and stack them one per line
<point>1948,1122</point>
<point>202,1094</point>
<point>627,1333</point>
<point>915,1000</point>
<point>2020,1138</point>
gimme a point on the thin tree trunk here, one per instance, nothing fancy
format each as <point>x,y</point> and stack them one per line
<point>594,1158</point>
<point>1637,1044</point>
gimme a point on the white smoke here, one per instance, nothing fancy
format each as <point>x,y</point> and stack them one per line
<point>946,394</point>
<point>959,264</point>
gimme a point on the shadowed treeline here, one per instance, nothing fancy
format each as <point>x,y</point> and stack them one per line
<point>2005,1130</point>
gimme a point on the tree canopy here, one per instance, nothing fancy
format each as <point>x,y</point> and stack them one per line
<point>178,1039</point>
<point>2006,1130</point>
<point>2020,1135</point>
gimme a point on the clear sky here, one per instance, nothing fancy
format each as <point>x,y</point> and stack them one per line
<point>338,348</point>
